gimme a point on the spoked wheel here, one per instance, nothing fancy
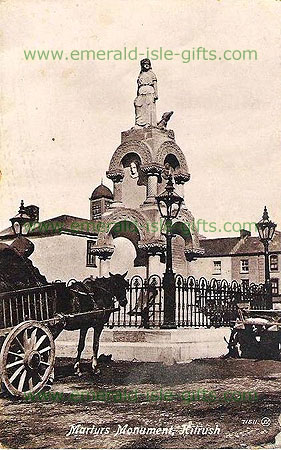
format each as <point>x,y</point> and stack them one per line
<point>27,358</point>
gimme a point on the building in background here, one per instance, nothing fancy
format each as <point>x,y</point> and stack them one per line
<point>242,259</point>
<point>60,246</point>
<point>100,200</point>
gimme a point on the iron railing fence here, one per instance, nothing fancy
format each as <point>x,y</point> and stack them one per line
<point>199,302</point>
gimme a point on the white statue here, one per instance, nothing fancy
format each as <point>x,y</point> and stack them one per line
<point>145,107</point>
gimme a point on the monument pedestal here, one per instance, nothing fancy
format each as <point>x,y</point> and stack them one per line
<point>168,346</point>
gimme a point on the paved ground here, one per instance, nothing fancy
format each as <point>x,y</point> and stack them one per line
<point>45,424</point>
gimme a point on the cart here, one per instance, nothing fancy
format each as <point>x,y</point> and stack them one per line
<point>256,334</point>
<point>30,321</point>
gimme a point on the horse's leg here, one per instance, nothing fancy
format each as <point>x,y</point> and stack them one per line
<point>96,342</point>
<point>81,346</point>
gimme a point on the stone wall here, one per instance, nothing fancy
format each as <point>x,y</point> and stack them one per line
<point>61,257</point>
<point>204,267</point>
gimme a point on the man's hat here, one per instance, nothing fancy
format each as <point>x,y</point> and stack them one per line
<point>23,246</point>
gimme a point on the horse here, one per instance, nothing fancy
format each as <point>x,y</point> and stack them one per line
<point>96,294</point>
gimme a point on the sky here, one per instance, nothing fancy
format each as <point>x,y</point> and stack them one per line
<point>61,120</point>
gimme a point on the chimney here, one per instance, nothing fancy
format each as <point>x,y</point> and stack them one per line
<point>244,233</point>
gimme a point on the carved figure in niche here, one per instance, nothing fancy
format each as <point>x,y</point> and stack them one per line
<point>168,170</point>
<point>136,173</point>
<point>134,169</point>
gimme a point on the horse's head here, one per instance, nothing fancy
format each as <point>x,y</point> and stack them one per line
<point>120,286</point>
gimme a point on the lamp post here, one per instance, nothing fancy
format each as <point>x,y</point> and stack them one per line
<point>266,230</point>
<point>169,204</point>
<point>19,220</point>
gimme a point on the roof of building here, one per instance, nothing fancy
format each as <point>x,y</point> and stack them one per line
<point>63,224</point>
<point>101,191</point>
<point>245,245</point>
<point>218,246</point>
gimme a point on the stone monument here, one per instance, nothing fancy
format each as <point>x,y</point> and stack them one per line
<point>139,167</point>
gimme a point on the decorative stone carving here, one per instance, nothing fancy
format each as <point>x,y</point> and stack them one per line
<point>171,147</point>
<point>164,120</point>
<point>101,252</point>
<point>181,178</point>
<point>193,253</point>
<point>186,216</point>
<point>115,175</point>
<point>155,247</point>
<point>134,170</point>
<point>142,155</point>
<point>152,169</point>
<point>140,148</point>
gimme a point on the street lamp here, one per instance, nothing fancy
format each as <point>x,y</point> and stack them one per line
<point>266,230</point>
<point>19,220</point>
<point>169,204</point>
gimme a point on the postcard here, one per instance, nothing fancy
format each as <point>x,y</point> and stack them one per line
<point>140,251</point>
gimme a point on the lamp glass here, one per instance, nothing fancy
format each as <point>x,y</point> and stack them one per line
<point>16,227</point>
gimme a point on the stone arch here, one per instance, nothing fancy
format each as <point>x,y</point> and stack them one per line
<point>182,229</point>
<point>172,148</point>
<point>121,216</point>
<point>129,224</point>
<point>172,160</point>
<point>129,157</point>
<point>140,148</point>
<point>128,230</point>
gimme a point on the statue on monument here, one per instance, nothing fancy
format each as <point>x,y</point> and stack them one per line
<point>145,102</point>
<point>145,107</point>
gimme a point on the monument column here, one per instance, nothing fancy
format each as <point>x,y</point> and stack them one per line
<point>155,250</point>
<point>152,172</point>
<point>117,178</point>
<point>104,267</point>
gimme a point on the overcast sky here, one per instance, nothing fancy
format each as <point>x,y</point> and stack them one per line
<point>226,113</point>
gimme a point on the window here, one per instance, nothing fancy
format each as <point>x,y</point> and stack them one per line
<point>244,266</point>
<point>245,284</point>
<point>217,267</point>
<point>96,210</point>
<point>107,205</point>
<point>274,263</point>
<point>275,286</point>
<point>91,259</point>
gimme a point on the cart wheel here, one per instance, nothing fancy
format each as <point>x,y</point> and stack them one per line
<point>27,358</point>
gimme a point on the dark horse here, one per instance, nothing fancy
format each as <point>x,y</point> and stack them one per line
<point>91,295</point>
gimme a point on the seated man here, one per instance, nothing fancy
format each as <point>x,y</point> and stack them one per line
<point>16,269</point>
<point>145,300</point>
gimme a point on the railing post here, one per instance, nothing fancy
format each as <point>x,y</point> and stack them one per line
<point>268,295</point>
<point>169,287</point>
